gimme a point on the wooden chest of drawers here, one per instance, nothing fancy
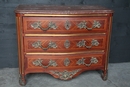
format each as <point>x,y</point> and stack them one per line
<point>63,41</point>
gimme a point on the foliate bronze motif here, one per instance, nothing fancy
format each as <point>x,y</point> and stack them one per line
<point>37,25</point>
<point>83,25</point>
<point>21,80</point>
<point>82,43</point>
<point>65,75</point>
<point>38,44</point>
<point>38,62</point>
<point>93,60</point>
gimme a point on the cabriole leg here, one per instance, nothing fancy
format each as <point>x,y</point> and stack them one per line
<point>104,75</point>
<point>22,80</point>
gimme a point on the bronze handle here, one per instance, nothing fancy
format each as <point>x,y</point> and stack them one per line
<point>82,43</point>
<point>38,44</point>
<point>37,25</point>
<point>93,60</point>
<point>38,62</point>
<point>83,25</point>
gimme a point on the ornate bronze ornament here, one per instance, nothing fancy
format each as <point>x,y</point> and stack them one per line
<point>67,25</point>
<point>38,62</point>
<point>65,75</point>
<point>67,44</point>
<point>37,25</point>
<point>82,43</point>
<point>38,44</point>
<point>83,25</point>
<point>66,62</point>
<point>21,81</point>
<point>93,60</point>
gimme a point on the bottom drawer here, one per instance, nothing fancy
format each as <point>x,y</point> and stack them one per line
<point>41,63</point>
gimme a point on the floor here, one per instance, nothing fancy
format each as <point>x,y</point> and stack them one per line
<point>119,76</point>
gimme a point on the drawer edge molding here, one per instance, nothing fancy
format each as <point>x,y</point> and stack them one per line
<point>83,34</point>
<point>54,53</point>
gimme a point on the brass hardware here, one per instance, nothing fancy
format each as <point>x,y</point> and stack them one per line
<point>66,53</point>
<point>21,66</point>
<point>65,75</point>
<point>82,43</point>
<point>67,25</point>
<point>65,34</point>
<point>38,62</point>
<point>67,44</point>
<point>108,47</point>
<point>38,44</point>
<point>83,25</point>
<point>104,75</point>
<point>37,25</point>
<point>22,81</point>
<point>93,60</point>
<point>66,62</point>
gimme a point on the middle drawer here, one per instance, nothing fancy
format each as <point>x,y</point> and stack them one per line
<point>64,44</point>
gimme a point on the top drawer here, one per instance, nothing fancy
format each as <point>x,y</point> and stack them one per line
<point>65,24</point>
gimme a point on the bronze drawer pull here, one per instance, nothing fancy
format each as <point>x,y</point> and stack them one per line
<point>38,62</point>
<point>37,25</point>
<point>93,60</point>
<point>83,25</point>
<point>82,43</point>
<point>38,44</point>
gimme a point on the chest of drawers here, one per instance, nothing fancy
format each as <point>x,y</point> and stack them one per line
<point>63,41</point>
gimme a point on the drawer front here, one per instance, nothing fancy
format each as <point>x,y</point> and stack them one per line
<point>80,61</point>
<point>64,44</point>
<point>64,24</point>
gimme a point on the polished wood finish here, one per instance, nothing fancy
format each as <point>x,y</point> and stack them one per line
<point>28,41</point>
<point>60,61</point>
<point>60,22</point>
<point>74,49</point>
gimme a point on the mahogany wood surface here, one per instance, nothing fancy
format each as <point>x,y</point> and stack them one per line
<point>60,41</point>
<point>60,60</point>
<point>67,60</point>
<point>60,23</point>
